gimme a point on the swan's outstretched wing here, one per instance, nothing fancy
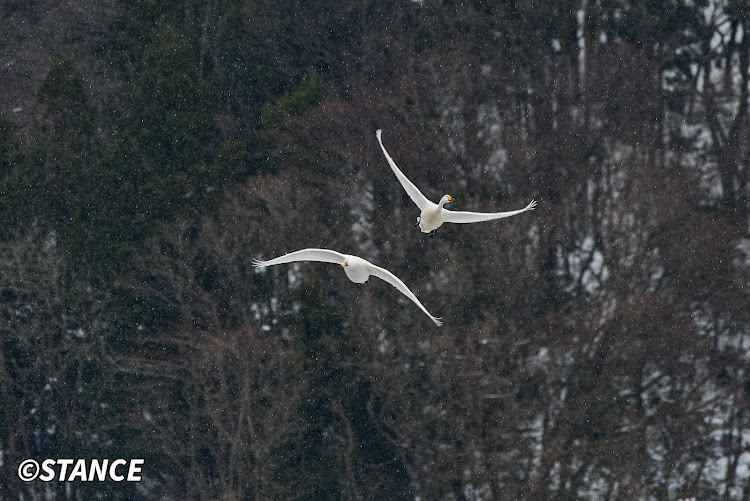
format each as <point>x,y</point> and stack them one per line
<point>392,279</point>
<point>321,255</point>
<point>450,216</point>
<point>413,192</point>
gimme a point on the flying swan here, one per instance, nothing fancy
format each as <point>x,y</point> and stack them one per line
<point>357,269</point>
<point>434,215</point>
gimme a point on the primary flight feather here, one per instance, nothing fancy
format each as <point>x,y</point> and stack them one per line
<point>357,269</point>
<point>434,215</point>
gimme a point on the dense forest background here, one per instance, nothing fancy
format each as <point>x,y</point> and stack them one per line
<point>596,348</point>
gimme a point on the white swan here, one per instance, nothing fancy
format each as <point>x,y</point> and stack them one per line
<point>357,269</point>
<point>434,215</point>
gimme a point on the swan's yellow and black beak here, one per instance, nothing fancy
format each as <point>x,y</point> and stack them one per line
<point>346,263</point>
<point>450,198</point>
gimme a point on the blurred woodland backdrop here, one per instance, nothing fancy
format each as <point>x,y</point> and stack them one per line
<point>596,348</point>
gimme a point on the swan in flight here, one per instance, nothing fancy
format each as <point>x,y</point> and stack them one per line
<point>434,215</point>
<point>357,269</point>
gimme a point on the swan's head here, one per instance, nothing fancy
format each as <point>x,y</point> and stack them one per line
<point>445,200</point>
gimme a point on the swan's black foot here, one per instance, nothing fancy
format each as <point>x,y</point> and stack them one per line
<point>419,220</point>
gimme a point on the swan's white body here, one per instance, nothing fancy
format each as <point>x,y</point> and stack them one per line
<point>434,215</point>
<point>357,269</point>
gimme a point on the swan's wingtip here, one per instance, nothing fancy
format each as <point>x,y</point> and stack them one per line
<point>438,321</point>
<point>379,133</point>
<point>258,263</point>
